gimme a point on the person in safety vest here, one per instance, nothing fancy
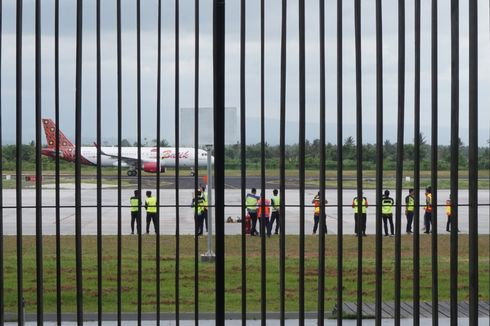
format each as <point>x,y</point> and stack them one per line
<point>204,193</point>
<point>151,206</point>
<point>428,209</point>
<point>202,206</point>
<point>360,219</point>
<point>251,204</point>
<point>135,211</point>
<point>409,209</point>
<point>387,212</point>
<point>449,213</point>
<point>275,207</point>
<point>316,215</point>
<point>263,213</point>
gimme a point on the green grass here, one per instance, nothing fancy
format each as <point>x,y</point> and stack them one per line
<point>233,272</point>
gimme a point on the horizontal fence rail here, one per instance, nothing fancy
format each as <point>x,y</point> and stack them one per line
<point>76,246</point>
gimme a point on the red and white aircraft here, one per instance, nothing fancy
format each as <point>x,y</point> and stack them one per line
<point>129,155</point>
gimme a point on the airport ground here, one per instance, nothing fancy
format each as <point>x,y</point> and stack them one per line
<point>233,272</point>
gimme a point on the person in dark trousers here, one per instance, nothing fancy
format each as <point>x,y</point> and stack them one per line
<point>360,223</point>
<point>428,209</point>
<point>275,215</point>
<point>151,206</point>
<point>204,193</point>
<point>135,211</point>
<point>409,209</point>
<point>387,212</point>
<point>317,212</point>
<point>449,213</point>
<point>199,215</point>
<point>251,204</point>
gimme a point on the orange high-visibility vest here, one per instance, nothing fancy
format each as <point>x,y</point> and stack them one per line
<point>267,208</point>
<point>428,203</point>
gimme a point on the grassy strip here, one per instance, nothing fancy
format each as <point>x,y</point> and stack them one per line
<point>233,272</point>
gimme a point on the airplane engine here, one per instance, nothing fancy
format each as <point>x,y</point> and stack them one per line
<point>152,167</point>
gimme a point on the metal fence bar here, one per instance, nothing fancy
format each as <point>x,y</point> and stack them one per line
<point>473,161</point>
<point>360,199</point>
<point>219,152</point>
<point>18,161</point>
<point>434,151</point>
<point>416,172</point>
<point>99,169</point>
<point>455,143</point>
<point>302,121</point>
<point>321,243</point>
<point>196,160</point>
<point>2,288</point>
<point>379,160</point>
<point>261,216</point>
<point>340,172</point>
<point>399,155</point>
<point>78,165</point>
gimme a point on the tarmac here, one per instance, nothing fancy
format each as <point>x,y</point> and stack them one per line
<point>186,213</point>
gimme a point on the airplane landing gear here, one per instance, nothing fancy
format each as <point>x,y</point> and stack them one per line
<point>132,173</point>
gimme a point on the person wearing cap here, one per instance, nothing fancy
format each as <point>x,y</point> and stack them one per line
<point>263,214</point>
<point>387,212</point>
<point>316,215</point>
<point>135,211</point>
<point>360,223</point>
<point>275,215</point>
<point>409,209</point>
<point>251,204</point>
<point>428,209</point>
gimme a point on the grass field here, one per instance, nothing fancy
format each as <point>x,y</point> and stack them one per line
<point>233,272</point>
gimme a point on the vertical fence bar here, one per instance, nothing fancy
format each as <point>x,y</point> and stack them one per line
<point>302,116</point>
<point>340,184</point>
<point>57,157</point>
<point>261,217</point>
<point>78,171</point>
<point>379,160</point>
<point>399,155</point>
<point>2,305</point>
<point>219,152</point>
<point>159,155</point>
<point>243,157</point>
<point>119,165</point>
<point>416,172</point>
<point>282,166</point>
<point>473,161</point>
<point>321,243</point>
<point>455,143</point>
<point>138,137</point>
<point>360,200</point>
<point>18,159</point>
<point>433,168</point>
<point>176,125</point>
<point>99,171</point>
<point>39,215</point>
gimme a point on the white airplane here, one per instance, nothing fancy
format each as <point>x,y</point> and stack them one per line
<point>129,155</point>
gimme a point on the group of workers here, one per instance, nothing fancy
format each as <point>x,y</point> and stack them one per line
<point>151,206</point>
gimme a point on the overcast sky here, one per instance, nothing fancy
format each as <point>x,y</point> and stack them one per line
<point>272,62</point>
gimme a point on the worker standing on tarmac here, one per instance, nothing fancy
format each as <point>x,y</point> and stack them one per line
<point>449,213</point>
<point>263,213</point>
<point>204,193</point>
<point>387,212</point>
<point>202,205</point>
<point>275,207</point>
<point>360,225</point>
<point>151,206</point>
<point>135,211</point>
<point>251,204</point>
<point>317,212</point>
<point>409,209</point>
<point>428,209</point>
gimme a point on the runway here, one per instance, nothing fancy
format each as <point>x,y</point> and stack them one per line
<point>186,221</point>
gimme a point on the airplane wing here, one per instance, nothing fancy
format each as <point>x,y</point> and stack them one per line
<point>132,161</point>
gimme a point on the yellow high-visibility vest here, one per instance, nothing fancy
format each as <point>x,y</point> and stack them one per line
<point>364,205</point>
<point>135,206</point>
<point>151,204</point>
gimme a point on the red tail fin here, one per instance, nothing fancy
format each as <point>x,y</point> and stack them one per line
<point>50,131</point>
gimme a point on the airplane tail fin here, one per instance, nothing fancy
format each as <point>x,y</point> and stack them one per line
<point>50,131</point>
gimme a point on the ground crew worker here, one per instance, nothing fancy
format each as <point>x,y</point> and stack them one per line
<point>409,209</point>
<point>204,193</point>
<point>387,212</point>
<point>135,211</point>
<point>275,207</point>
<point>428,209</point>
<point>251,204</point>
<point>316,214</point>
<point>449,213</point>
<point>151,212</point>
<point>199,215</point>
<point>360,223</point>
<point>263,213</point>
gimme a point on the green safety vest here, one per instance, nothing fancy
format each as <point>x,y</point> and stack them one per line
<point>135,207</point>
<point>364,208</point>
<point>202,204</point>
<point>275,203</point>
<point>410,204</point>
<point>386,206</point>
<point>151,204</point>
<point>251,203</point>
